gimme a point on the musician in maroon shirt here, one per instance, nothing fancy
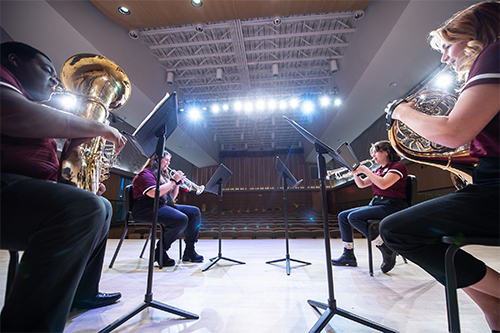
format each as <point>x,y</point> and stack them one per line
<point>388,184</point>
<point>61,228</point>
<point>469,42</point>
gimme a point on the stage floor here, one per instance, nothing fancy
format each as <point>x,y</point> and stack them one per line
<point>257,297</point>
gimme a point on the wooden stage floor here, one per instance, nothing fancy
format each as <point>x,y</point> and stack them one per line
<point>260,298</point>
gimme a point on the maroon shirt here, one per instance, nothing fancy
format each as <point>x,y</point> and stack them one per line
<point>144,181</point>
<point>483,71</point>
<point>36,158</point>
<point>398,189</point>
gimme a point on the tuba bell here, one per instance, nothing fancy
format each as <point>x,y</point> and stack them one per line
<point>99,86</point>
<point>417,149</point>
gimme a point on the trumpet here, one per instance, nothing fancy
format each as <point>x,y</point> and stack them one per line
<point>188,184</point>
<point>344,173</point>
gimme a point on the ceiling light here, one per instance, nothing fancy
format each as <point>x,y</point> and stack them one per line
<point>324,101</point>
<point>338,101</point>
<point>196,3</point>
<point>215,108</point>
<point>194,113</point>
<point>307,107</point>
<point>124,10</point>
<point>294,103</point>
<point>238,106</point>
<point>225,107</point>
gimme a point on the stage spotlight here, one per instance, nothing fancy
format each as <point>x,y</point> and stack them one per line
<point>294,103</point>
<point>225,107</point>
<point>248,107</point>
<point>215,108</point>
<point>282,105</point>
<point>337,102</point>
<point>271,104</point>
<point>238,106</point>
<point>260,105</point>
<point>324,101</point>
<point>444,81</point>
<point>307,107</point>
<point>194,114</point>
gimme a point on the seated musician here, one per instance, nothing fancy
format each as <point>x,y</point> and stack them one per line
<point>389,195</point>
<point>61,228</point>
<point>176,219</point>
<point>470,42</point>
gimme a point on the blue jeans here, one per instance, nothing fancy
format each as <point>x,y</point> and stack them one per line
<point>63,231</point>
<point>182,219</point>
<point>358,217</point>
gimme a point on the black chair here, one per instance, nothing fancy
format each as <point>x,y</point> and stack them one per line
<point>129,202</point>
<point>411,199</point>
<point>455,243</point>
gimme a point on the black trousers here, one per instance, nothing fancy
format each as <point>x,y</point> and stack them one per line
<point>182,219</point>
<point>416,232</point>
<point>63,231</point>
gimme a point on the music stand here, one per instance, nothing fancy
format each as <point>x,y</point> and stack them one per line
<point>331,308</point>
<point>160,123</point>
<point>288,180</point>
<point>215,185</point>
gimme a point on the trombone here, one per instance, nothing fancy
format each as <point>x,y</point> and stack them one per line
<point>344,173</point>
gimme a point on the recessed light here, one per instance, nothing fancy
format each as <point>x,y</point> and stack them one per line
<point>196,3</point>
<point>124,10</point>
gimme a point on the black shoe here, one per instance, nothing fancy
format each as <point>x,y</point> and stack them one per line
<point>346,259</point>
<point>167,262</point>
<point>389,258</point>
<point>101,299</point>
<point>191,255</point>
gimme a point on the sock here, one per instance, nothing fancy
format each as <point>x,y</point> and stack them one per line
<point>348,245</point>
<point>378,241</point>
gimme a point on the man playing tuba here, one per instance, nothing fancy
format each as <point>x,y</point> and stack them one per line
<point>61,228</point>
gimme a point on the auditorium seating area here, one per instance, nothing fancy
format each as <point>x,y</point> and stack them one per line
<point>266,224</point>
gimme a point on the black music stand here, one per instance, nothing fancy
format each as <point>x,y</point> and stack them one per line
<point>160,123</point>
<point>331,308</point>
<point>215,185</point>
<point>288,180</point>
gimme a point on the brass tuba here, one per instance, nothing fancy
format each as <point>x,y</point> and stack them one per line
<point>417,149</point>
<point>100,86</point>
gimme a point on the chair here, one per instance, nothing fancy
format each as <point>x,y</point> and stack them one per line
<point>455,243</point>
<point>129,202</point>
<point>411,199</point>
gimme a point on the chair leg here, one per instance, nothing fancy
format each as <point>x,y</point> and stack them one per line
<point>451,290</point>
<point>180,247</point>
<point>370,254</point>
<point>14,260</point>
<point>145,244</point>
<point>119,244</point>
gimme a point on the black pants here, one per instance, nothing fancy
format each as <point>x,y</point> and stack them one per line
<point>182,219</point>
<point>416,232</point>
<point>63,231</point>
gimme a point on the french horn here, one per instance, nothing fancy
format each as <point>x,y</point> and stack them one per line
<point>416,148</point>
<point>100,86</point>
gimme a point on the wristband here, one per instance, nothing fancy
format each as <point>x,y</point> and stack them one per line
<point>176,182</point>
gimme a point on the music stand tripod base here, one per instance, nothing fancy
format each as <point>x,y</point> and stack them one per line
<point>215,185</point>
<point>288,180</point>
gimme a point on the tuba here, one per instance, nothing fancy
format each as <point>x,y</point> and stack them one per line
<point>417,149</point>
<point>99,86</point>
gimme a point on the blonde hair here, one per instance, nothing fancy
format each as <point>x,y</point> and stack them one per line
<point>478,26</point>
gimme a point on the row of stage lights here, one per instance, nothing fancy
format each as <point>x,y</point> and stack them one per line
<point>307,106</point>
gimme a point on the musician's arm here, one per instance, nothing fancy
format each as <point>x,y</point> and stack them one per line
<point>474,109</point>
<point>361,182</point>
<point>381,182</point>
<point>21,117</point>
